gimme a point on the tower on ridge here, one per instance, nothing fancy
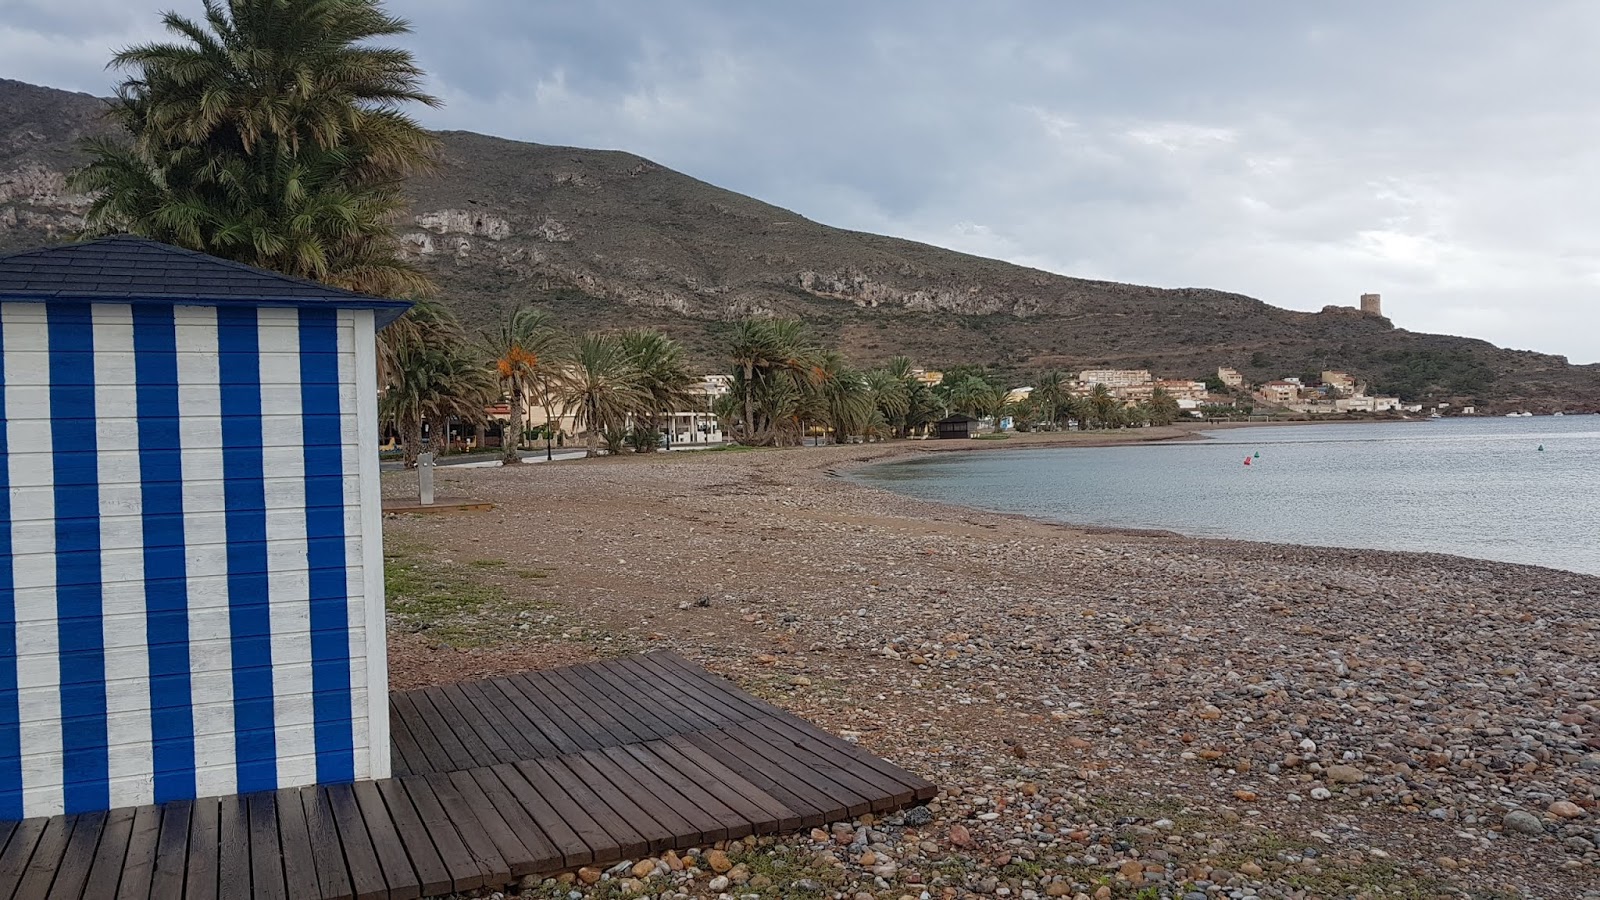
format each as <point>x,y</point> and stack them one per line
<point>1372,304</point>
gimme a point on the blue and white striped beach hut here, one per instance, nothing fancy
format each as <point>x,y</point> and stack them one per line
<point>191,571</point>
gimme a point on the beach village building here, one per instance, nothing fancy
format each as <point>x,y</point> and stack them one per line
<point>191,572</point>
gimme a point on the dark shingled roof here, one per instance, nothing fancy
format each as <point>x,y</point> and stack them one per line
<point>130,269</point>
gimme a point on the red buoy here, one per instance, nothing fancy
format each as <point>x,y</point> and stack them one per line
<point>1247,460</point>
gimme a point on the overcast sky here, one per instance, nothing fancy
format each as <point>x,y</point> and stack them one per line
<point>1445,154</point>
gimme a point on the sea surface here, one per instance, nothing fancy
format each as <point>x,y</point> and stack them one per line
<point>1478,487</point>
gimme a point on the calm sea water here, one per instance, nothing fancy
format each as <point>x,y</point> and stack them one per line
<point>1472,487</point>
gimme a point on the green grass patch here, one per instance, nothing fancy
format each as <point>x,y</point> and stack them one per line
<point>992,437</point>
<point>449,602</point>
<point>774,872</point>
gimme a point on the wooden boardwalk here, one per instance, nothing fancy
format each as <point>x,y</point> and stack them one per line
<point>496,779</point>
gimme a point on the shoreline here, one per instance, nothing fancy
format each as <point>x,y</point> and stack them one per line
<point>1183,435</point>
<point>1110,696</point>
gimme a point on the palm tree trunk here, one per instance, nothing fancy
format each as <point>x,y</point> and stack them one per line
<point>511,436</point>
<point>749,404</point>
<point>413,438</point>
<point>592,433</point>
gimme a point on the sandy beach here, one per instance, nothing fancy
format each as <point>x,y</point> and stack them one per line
<point>1105,712</point>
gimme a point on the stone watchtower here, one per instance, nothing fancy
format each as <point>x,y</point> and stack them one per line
<point>1372,304</point>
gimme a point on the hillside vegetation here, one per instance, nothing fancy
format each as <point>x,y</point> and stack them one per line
<point>605,238</point>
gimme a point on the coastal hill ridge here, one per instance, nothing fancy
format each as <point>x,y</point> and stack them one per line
<point>609,239</point>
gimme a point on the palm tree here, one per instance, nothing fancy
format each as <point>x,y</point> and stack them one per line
<point>1049,394</point>
<point>1162,409</point>
<point>972,395</point>
<point>430,377</point>
<point>841,398</point>
<point>776,364</point>
<point>662,373</point>
<point>515,351</point>
<point>600,386</point>
<point>891,394</point>
<point>751,348</point>
<point>269,132</point>
<point>1103,406</point>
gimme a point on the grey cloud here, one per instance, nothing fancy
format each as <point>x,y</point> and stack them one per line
<point>1443,153</point>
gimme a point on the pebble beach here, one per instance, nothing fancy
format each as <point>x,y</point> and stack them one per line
<point>1107,714</point>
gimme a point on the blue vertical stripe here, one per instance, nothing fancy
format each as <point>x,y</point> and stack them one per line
<point>85,763</point>
<point>325,544</point>
<point>166,595</point>
<point>249,618</point>
<point>10,730</point>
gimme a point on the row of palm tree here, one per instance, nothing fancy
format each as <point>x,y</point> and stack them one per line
<point>785,382</point>
<point>609,382</point>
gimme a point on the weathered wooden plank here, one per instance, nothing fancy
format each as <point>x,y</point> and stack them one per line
<point>619,705</point>
<point>462,866</point>
<point>405,708</point>
<point>626,842</point>
<point>432,876</point>
<point>602,705</point>
<point>333,874</point>
<point>172,850</point>
<point>46,860</point>
<point>405,757</point>
<point>491,730</point>
<point>366,875</point>
<point>79,855</point>
<point>808,804</point>
<point>140,861</point>
<point>690,692</point>
<point>548,727</point>
<point>678,717</point>
<point>19,851</point>
<point>233,848</point>
<point>517,745</point>
<point>657,836</point>
<point>845,801</point>
<point>457,754</point>
<point>897,786</point>
<point>391,853</point>
<point>477,753</point>
<point>730,825</point>
<point>703,827</point>
<point>299,860</point>
<point>585,729</point>
<point>560,830</point>
<point>496,872</point>
<point>542,853</point>
<point>266,850</point>
<point>205,841</point>
<point>105,872</point>
<point>601,845</point>
<point>855,779</point>
<point>750,802</point>
<point>516,858</point>
<point>660,809</point>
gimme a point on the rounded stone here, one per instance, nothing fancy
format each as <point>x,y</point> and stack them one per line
<point>1522,822</point>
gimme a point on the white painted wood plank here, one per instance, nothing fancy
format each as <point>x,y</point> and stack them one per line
<point>210,648</point>
<point>129,760</point>
<point>33,574</point>
<point>289,596</point>
<point>365,362</point>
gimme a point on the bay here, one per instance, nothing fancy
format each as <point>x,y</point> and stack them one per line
<point>1476,487</point>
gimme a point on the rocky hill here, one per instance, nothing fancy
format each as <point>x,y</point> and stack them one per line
<point>608,239</point>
